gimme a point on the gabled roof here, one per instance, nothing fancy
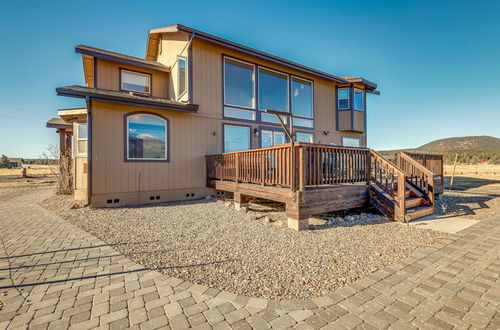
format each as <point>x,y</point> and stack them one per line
<point>113,96</point>
<point>122,58</point>
<point>230,44</point>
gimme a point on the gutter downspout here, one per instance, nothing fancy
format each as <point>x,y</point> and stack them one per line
<point>89,149</point>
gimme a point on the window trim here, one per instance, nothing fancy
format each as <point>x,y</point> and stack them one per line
<point>240,125</point>
<point>354,99</point>
<point>150,77</point>
<point>76,139</point>
<point>125,136</point>
<point>354,138</point>
<point>288,105</point>
<point>186,76</point>
<point>348,98</point>
<point>254,96</point>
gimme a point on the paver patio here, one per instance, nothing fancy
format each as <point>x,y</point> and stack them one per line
<point>55,275</point>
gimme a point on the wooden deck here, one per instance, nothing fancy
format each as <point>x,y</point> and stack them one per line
<point>312,179</point>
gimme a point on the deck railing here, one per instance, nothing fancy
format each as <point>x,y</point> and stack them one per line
<point>305,165</point>
<point>417,174</point>
<point>390,178</point>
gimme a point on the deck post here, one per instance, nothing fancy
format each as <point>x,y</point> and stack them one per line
<point>240,201</point>
<point>298,224</point>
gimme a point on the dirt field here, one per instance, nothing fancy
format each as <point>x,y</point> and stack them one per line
<point>35,170</point>
<point>473,170</point>
<point>13,186</point>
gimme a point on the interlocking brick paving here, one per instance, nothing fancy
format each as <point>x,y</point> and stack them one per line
<point>54,275</point>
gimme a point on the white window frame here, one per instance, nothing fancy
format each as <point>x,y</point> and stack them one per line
<point>288,100</point>
<point>343,98</point>
<point>254,96</point>
<point>312,97</point>
<point>179,93</point>
<point>137,74</point>
<point>76,139</point>
<point>166,138</point>
<point>352,138</point>
<point>362,99</point>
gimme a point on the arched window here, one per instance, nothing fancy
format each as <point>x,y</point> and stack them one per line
<point>147,137</point>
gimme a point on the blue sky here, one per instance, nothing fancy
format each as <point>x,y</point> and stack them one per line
<point>436,62</point>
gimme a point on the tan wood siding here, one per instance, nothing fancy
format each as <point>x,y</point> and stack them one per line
<point>345,120</point>
<point>359,121</point>
<point>108,77</point>
<point>171,46</point>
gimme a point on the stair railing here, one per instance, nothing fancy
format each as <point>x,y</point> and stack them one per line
<point>418,175</point>
<point>388,177</point>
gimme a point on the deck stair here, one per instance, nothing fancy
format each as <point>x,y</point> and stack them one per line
<point>402,192</point>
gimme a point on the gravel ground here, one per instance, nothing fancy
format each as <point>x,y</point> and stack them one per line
<point>253,253</point>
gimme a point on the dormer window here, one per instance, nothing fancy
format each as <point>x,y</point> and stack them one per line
<point>358,99</point>
<point>343,98</point>
<point>133,81</point>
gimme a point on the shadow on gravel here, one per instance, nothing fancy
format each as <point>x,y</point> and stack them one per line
<point>464,183</point>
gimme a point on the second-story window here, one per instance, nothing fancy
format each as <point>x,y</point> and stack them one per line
<point>239,89</point>
<point>302,102</point>
<point>273,94</point>
<point>135,81</point>
<point>343,98</point>
<point>181,75</point>
<point>358,99</point>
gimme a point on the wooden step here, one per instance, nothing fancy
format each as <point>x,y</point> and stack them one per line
<point>418,212</point>
<point>413,202</point>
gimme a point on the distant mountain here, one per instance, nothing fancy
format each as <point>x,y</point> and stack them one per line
<point>470,149</point>
<point>484,143</point>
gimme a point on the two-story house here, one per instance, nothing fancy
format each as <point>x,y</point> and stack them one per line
<point>149,123</point>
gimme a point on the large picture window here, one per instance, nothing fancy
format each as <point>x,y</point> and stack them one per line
<point>236,138</point>
<point>249,87</point>
<point>147,137</point>
<point>135,81</point>
<point>239,84</point>
<point>302,98</point>
<point>273,90</point>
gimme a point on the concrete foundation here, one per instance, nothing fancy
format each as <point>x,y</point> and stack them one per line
<point>298,225</point>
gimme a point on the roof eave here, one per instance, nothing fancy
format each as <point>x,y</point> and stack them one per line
<point>65,91</point>
<point>121,59</point>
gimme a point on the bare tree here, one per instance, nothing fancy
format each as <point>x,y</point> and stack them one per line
<point>63,171</point>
